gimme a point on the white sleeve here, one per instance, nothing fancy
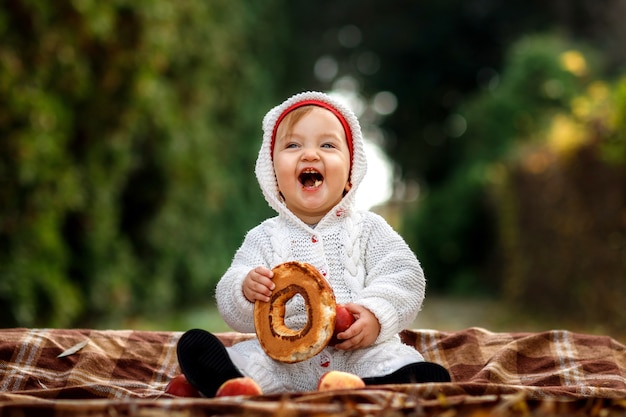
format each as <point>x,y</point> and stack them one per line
<point>233,306</point>
<point>394,282</point>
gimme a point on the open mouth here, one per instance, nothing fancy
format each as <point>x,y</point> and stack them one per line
<point>311,178</point>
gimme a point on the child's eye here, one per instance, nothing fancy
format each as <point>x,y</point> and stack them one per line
<point>291,145</point>
<point>328,145</point>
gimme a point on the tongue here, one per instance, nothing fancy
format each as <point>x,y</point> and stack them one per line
<point>312,182</point>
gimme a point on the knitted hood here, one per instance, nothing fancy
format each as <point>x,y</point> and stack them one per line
<point>265,168</point>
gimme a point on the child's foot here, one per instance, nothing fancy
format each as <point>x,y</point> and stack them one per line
<point>204,361</point>
<point>417,372</point>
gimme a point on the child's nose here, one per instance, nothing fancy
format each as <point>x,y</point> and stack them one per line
<point>310,153</point>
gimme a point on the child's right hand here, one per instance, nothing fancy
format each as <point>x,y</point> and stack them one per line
<point>258,284</point>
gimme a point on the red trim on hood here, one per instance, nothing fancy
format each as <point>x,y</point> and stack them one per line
<point>319,103</point>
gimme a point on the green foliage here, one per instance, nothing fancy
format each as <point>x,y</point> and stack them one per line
<point>543,160</point>
<point>560,205</point>
<point>128,128</point>
<point>533,85</point>
<point>613,148</point>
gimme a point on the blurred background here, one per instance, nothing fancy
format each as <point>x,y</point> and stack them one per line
<point>129,130</point>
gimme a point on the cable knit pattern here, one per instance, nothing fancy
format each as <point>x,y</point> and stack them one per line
<point>362,257</point>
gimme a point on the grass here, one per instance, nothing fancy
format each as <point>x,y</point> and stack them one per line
<point>443,313</point>
<point>207,318</point>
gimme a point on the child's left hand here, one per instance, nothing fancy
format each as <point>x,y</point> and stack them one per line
<point>363,331</point>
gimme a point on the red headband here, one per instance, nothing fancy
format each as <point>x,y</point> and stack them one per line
<point>337,113</point>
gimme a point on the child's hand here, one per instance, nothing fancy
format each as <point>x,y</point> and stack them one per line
<point>258,284</point>
<point>363,331</point>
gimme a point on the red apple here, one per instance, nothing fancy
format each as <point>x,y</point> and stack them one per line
<point>180,387</point>
<point>339,380</point>
<point>343,320</point>
<point>239,386</point>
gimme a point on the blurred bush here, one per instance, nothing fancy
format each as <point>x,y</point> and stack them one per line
<point>562,214</point>
<point>535,211</point>
<point>127,127</point>
<point>452,226</point>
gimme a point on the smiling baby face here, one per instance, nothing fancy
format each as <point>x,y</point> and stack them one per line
<point>311,161</point>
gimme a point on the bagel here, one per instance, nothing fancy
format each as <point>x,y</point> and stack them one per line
<point>281,342</point>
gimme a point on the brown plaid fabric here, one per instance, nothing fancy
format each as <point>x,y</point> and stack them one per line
<point>113,364</point>
<point>555,363</point>
<point>120,368</point>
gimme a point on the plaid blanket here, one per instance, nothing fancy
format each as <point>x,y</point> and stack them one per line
<point>125,369</point>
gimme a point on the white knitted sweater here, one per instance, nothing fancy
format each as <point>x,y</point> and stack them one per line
<point>362,257</point>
